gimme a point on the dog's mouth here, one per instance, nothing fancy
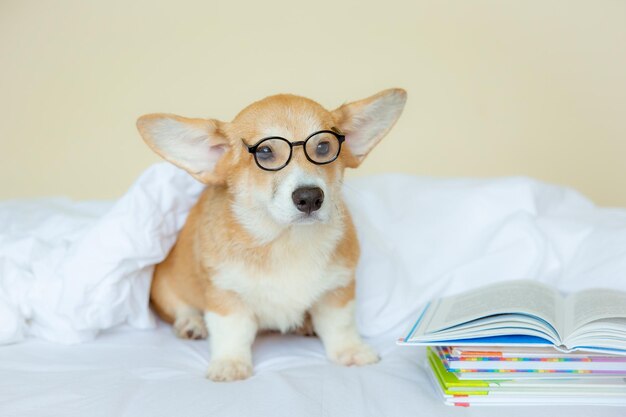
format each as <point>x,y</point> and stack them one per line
<point>305,219</point>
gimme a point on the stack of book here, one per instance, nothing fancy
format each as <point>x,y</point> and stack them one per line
<point>522,343</point>
<point>475,376</point>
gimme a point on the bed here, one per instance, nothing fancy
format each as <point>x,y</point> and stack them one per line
<point>77,337</point>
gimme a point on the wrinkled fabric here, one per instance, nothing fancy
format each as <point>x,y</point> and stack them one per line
<point>69,270</point>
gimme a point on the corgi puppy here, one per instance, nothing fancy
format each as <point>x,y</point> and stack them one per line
<point>270,241</point>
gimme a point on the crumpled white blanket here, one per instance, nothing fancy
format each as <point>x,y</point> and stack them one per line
<point>71,269</point>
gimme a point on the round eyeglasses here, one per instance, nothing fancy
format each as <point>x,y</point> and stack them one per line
<point>274,153</point>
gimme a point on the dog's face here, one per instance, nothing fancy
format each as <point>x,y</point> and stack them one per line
<point>267,195</point>
<point>302,192</point>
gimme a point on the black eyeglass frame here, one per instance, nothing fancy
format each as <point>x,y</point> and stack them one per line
<point>253,148</point>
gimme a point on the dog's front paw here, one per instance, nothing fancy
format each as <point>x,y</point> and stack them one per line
<point>224,370</point>
<point>355,355</point>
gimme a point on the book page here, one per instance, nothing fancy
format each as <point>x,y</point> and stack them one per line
<point>521,296</point>
<point>596,304</point>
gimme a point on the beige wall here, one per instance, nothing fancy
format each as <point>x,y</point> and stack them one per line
<point>495,87</point>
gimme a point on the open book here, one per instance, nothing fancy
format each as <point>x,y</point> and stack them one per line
<point>525,312</point>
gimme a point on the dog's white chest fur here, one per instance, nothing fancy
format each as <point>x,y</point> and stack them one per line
<point>298,272</point>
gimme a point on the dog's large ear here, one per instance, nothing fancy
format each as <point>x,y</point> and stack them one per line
<point>366,122</point>
<point>196,145</point>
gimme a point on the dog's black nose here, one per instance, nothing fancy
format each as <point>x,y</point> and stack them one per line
<point>308,199</point>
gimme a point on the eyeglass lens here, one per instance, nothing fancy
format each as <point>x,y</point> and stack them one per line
<point>322,147</point>
<point>273,153</point>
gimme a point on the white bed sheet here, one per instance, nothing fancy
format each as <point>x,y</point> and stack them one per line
<point>72,271</point>
<point>133,373</point>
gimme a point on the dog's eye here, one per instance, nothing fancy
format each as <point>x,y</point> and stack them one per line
<point>322,148</point>
<point>264,153</point>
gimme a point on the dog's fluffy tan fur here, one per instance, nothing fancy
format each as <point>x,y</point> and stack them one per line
<point>247,259</point>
